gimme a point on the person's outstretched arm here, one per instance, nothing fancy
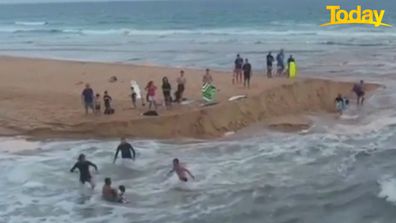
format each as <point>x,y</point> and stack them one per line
<point>73,168</point>
<point>116,154</point>
<point>133,152</point>
<point>189,173</point>
<point>92,164</point>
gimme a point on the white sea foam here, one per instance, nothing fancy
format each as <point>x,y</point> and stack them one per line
<point>388,189</point>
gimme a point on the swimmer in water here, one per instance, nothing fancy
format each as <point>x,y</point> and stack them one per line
<point>125,149</point>
<point>180,171</point>
<point>83,166</point>
<point>108,193</point>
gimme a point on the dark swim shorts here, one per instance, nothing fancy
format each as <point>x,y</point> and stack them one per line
<point>184,179</point>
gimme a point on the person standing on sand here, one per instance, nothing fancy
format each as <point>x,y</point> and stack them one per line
<point>166,90</point>
<point>87,97</point>
<point>247,72</point>
<point>280,58</point>
<point>97,104</point>
<point>237,69</point>
<point>83,166</point>
<point>359,91</point>
<point>133,97</point>
<point>180,171</point>
<point>127,151</point>
<point>207,78</point>
<point>107,103</point>
<point>151,92</point>
<point>181,84</point>
<point>270,60</point>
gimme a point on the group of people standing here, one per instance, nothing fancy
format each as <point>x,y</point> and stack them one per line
<point>242,68</point>
<point>128,154</point>
<point>93,102</point>
<point>280,63</point>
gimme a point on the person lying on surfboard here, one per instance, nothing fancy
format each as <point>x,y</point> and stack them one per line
<point>180,171</point>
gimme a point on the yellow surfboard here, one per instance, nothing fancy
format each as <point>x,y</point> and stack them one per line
<point>292,70</point>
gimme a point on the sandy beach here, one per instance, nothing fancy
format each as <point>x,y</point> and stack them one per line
<point>42,99</point>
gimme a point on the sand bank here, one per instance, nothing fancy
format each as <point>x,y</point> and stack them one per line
<point>41,98</point>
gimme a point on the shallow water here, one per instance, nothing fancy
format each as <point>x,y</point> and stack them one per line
<point>340,171</point>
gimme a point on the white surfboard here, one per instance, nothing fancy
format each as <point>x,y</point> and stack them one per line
<point>237,97</point>
<point>136,87</point>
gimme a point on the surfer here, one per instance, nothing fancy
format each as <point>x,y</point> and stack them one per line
<point>180,171</point>
<point>181,83</point>
<point>207,78</point>
<point>247,72</point>
<point>270,60</point>
<point>127,151</point>
<point>237,69</point>
<point>87,97</point>
<point>83,166</point>
<point>358,88</point>
<point>280,62</point>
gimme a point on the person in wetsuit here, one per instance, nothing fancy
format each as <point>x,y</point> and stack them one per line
<point>83,166</point>
<point>180,171</point>
<point>127,151</point>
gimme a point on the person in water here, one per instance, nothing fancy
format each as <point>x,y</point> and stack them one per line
<point>340,106</point>
<point>180,171</point>
<point>359,91</point>
<point>83,166</point>
<point>109,193</point>
<point>121,197</point>
<point>270,60</point>
<point>127,151</point>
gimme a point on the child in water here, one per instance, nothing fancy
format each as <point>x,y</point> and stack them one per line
<point>121,198</point>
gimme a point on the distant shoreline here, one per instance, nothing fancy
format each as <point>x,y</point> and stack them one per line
<point>40,99</point>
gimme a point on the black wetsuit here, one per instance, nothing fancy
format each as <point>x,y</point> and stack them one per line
<point>83,167</point>
<point>125,149</point>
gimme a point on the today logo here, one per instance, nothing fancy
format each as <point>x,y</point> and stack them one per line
<point>340,16</point>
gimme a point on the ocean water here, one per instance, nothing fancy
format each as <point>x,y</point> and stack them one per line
<point>340,170</point>
<point>200,33</point>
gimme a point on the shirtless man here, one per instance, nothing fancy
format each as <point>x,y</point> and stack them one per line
<point>109,193</point>
<point>180,171</point>
<point>83,166</point>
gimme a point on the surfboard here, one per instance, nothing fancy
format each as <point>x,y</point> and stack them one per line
<point>237,97</point>
<point>292,70</point>
<point>136,87</point>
